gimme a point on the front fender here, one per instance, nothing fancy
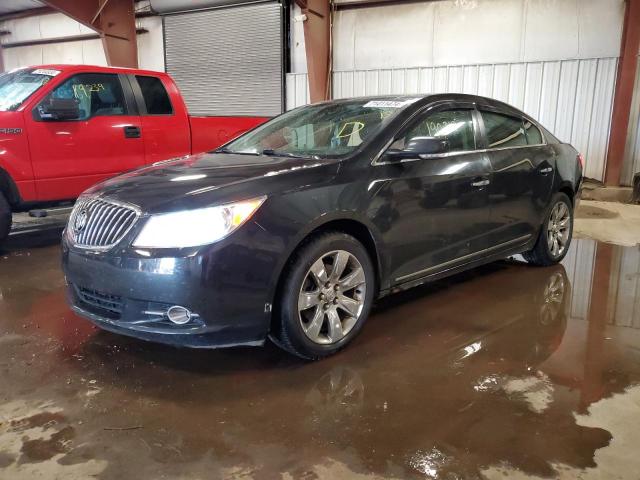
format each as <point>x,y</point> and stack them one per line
<point>306,215</point>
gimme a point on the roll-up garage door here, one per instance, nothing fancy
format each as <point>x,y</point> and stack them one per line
<point>228,61</point>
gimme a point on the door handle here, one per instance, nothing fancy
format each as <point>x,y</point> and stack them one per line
<point>131,131</point>
<point>480,183</point>
<point>547,170</point>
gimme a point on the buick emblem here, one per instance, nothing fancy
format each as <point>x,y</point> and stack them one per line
<point>81,221</point>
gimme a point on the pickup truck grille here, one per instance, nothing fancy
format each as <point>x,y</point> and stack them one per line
<point>100,223</point>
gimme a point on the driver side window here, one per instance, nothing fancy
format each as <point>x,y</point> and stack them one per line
<point>97,94</point>
<point>455,127</point>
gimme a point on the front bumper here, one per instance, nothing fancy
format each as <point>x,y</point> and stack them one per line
<point>228,287</point>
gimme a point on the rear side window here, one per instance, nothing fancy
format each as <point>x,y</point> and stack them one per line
<point>155,96</point>
<point>503,131</point>
<point>454,126</point>
<point>534,137</point>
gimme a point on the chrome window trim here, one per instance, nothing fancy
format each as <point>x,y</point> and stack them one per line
<point>376,160</point>
<point>104,248</point>
<point>478,108</point>
<point>453,263</point>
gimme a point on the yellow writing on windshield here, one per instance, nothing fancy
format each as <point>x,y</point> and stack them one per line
<point>349,129</point>
<point>83,90</point>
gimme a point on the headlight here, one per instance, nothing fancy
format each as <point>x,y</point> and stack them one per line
<point>191,228</point>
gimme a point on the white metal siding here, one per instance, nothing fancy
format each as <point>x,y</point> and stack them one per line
<point>228,61</point>
<point>572,98</point>
<point>455,32</point>
<point>631,164</point>
<point>91,52</point>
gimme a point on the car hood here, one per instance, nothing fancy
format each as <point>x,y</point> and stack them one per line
<point>208,178</point>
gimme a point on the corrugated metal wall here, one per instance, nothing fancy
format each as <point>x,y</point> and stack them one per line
<point>572,98</point>
<point>631,162</point>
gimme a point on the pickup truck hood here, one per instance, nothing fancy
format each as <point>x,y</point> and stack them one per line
<point>208,178</point>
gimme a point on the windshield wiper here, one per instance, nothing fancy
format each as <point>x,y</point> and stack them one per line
<point>226,150</point>
<point>275,153</point>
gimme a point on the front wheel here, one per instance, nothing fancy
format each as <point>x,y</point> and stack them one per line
<point>326,296</point>
<point>5,218</point>
<point>555,234</point>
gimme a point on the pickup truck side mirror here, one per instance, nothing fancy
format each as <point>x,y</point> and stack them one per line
<point>59,109</point>
<point>419,147</point>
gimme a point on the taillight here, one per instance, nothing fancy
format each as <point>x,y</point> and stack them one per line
<point>581,160</point>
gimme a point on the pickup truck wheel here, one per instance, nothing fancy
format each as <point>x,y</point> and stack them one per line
<point>5,218</point>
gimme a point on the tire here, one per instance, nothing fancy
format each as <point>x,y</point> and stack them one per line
<point>543,254</point>
<point>5,218</point>
<point>312,332</point>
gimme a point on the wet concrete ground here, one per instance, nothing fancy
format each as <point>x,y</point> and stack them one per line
<point>507,371</point>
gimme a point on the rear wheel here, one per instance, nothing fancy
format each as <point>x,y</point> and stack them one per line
<point>326,296</point>
<point>5,218</point>
<point>555,234</point>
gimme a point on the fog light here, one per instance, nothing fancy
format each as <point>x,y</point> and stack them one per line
<point>179,315</point>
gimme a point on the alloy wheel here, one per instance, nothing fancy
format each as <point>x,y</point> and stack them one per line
<point>558,229</point>
<point>331,299</point>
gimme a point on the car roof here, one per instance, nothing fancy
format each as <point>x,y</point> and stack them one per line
<point>455,97</point>
<point>95,68</point>
<point>425,98</point>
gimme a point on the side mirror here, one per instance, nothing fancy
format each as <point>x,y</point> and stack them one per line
<point>59,109</point>
<point>419,147</point>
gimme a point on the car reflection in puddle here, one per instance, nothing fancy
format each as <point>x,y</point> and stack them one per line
<point>493,372</point>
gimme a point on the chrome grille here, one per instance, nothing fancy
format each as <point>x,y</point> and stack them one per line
<point>100,223</point>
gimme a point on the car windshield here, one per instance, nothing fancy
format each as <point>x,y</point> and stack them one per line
<point>17,86</point>
<point>323,130</point>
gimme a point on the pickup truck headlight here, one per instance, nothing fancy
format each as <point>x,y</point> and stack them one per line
<point>191,228</point>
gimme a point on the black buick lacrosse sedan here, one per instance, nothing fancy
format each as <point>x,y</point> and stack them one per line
<point>291,231</point>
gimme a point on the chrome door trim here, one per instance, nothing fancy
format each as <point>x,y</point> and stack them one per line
<point>470,256</point>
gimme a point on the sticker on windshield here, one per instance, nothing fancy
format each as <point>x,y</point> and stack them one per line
<point>46,71</point>
<point>390,103</point>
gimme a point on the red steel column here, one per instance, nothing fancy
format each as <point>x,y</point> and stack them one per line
<point>317,38</point>
<point>624,92</point>
<point>114,20</point>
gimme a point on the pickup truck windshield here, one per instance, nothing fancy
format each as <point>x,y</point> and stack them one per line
<point>16,87</point>
<point>324,130</point>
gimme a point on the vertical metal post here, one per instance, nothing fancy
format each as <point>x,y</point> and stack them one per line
<point>114,20</point>
<point>623,93</point>
<point>317,39</point>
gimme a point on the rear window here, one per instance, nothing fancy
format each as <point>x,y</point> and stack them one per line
<point>503,131</point>
<point>155,95</point>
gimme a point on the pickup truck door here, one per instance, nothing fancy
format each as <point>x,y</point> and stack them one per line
<point>69,156</point>
<point>164,117</point>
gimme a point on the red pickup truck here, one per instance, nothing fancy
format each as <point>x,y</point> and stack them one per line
<point>64,128</point>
